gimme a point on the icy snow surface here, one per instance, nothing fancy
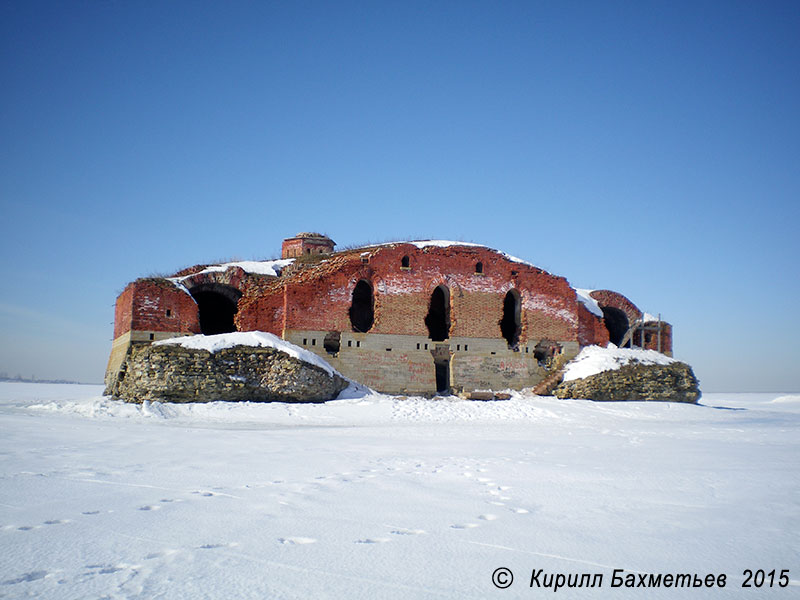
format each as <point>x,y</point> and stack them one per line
<point>594,359</point>
<point>213,343</point>
<point>374,496</point>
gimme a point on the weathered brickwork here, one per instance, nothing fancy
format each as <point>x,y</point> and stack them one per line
<point>306,243</point>
<point>651,335</point>
<point>591,329</point>
<point>155,304</point>
<point>499,323</point>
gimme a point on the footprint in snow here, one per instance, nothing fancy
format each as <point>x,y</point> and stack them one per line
<point>373,541</point>
<point>488,517</point>
<point>402,531</point>
<point>465,526</point>
<point>149,507</point>
<point>91,512</point>
<point>26,577</point>
<point>214,546</point>
<point>521,511</point>
<point>57,521</point>
<point>295,541</point>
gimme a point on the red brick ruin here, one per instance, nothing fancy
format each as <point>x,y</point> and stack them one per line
<point>404,317</point>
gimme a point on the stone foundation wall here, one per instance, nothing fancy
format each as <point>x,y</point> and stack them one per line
<point>675,382</point>
<point>172,373</point>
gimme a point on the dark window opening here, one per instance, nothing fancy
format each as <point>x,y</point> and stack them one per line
<point>358,344</point>
<point>313,342</point>
<point>442,377</point>
<point>510,324</point>
<point>441,363</point>
<point>152,336</point>
<point>332,342</point>
<point>648,337</point>
<point>349,343</point>
<point>466,347</point>
<point>438,319</point>
<point>217,305</point>
<point>616,322</point>
<point>405,262</point>
<point>169,313</point>
<point>362,310</point>
<point>305,341</point>
<point>417,346</point>
<point>479,267</point>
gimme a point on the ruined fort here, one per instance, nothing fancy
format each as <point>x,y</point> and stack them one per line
<point>421,317</point>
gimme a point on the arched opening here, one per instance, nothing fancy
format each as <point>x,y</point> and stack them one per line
<point>511,323</point>
<point>216,305</point>
<point>362,310</point>
<point>438,318</point>
<point>616,322</point>
<point>479,267</point>
<point>405,262</point>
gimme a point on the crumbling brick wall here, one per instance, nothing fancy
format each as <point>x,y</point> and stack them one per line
<point>320,298</point>
<point>155,304</point>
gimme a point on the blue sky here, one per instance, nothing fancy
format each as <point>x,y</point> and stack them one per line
<point>652,148</point>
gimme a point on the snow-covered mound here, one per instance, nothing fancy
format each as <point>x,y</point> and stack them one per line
<point>594,359</point>
<point>214,343</point>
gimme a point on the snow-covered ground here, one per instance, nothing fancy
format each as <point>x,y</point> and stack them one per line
<point>382,497</point>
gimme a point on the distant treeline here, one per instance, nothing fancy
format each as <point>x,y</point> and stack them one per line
<point>21,379</point>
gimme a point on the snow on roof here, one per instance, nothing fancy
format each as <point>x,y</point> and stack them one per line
<point>594,359</point>
<point>213,343</point>
<point>584,296</point>
<point>441,243</point>
<point>257,267</point>
<point>448,243</point>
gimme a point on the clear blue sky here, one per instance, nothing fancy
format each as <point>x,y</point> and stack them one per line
<point>652,148</point>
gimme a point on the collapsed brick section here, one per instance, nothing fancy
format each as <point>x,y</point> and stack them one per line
<point>311,303</point>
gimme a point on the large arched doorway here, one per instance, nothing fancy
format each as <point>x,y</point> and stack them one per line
<point>511,323</point>
<point>362,308</point>
<point>616,322</point>
<point>438,318</point>
<point>217,305</point>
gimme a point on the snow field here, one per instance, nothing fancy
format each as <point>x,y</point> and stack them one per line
<point>377,497</point>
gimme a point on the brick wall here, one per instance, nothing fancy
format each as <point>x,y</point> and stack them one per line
<point>155,305</point>
<point>320,297</point>
<point>591,329</point>
<point>617,300</point>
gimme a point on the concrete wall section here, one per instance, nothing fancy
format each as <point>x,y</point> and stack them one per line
<point>403,364</point>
